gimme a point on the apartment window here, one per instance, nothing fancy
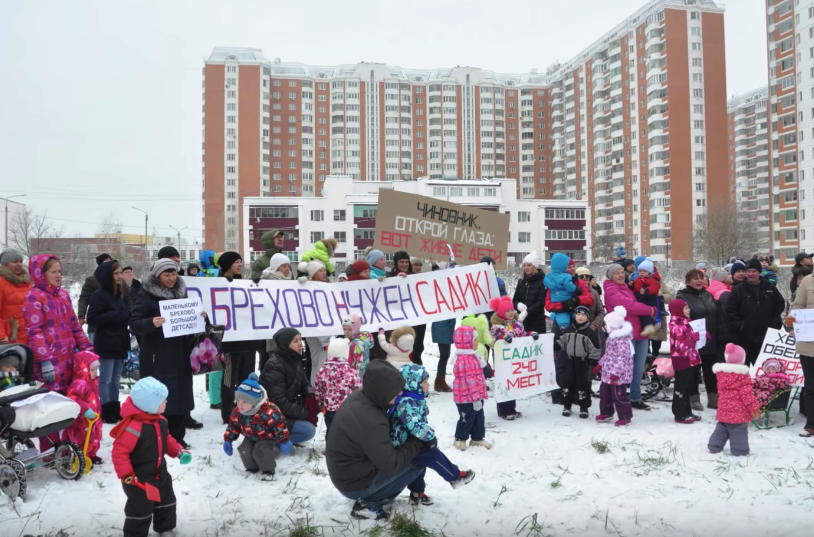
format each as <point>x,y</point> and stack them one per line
<point>317,216</point>
<point>455,191</point>
<point>340,236</point>
<point>490,192</point>
<point>696,46</point>
<point>231,119</point>
<point>523,216</point>
<point>524,236</point>
<point>293,190</point>
<point>277,188</point>
<point>317,236</point>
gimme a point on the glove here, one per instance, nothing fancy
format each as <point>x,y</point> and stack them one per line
<point>227,447</point>
<point>90,414</point>
<point>313,410</point>
<point>535,336</point>
<point>521,307</point>
<point>477,405</point>
<point>570,304</point>
<point>522,316</point>
<point>597,369</point>
<point>507,339</point>
<point>431,444</point>
<point>48,374</point>
<point>186,456</point>
<point>381,331</point>
<point>380,278</point>
<point>256,280</point>
<point>285,447</point>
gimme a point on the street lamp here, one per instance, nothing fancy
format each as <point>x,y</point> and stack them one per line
<point>5,245</point>
<point>179,236</point>
<point>146,217</point>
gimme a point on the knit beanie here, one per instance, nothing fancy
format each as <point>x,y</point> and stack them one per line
<point>772,362</point>
<point>736,266</point>
<point>342,277</point>
<point>167,252</point>
<point>719,275</point>
<point>754,264</point>
<point>628,262</point>
<point>616,319</point>
<point>101,258</point>
<point>701,266</point>
<point>278,260</point>
<point>163,265</point>
<point>338,347</point>
<point>227,259</point>
<point>10,360</point>
<point>354,321</point>
<point>735,354</point>
<point>532,259</point>
<point>148,394</point>
<point>373,256</point>
<point>638,260</point>
<point>501,306</point>
<point>584,271</point>
<point>360,266</point>
<point>284,337</point>
<point>250,391</point>
<point>10,254</point>
<point>571,262</point>
<point>583,310</point>
<point>465,338</point>
<point>416,261</point>
<point>612,270</point>
<point>313,267</point>
<point>487,259</point>
<point>676,308</point>
<point>647,265</point>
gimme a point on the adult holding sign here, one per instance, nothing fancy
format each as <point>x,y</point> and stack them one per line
<point>804,300</point>
<point>165,359</point>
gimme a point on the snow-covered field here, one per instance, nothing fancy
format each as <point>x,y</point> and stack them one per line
<point>656,478</point>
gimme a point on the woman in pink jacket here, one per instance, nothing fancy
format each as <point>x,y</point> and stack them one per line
<point>617,293</point>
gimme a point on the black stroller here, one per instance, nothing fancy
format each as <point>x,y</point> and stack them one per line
<point>18,454</point>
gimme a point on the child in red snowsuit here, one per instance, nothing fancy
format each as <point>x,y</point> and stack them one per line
<point>84,390</point>
<point>646,287</point>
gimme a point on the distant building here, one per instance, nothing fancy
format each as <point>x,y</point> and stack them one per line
<point>81,250</point>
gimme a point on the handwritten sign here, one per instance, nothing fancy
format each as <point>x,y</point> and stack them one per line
<point>700,326</point>
<point>782,346</point>
<point>258,311</point>
<point>424,226</point>
<point>803,324</point>
<point>182,317</point>
<point>524,367</point>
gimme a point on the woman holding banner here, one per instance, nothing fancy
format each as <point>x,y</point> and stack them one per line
<point>403,266</point>
<point>804,300</point>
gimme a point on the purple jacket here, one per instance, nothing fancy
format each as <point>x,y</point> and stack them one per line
<point>617,362</point>
<point>621,295</point>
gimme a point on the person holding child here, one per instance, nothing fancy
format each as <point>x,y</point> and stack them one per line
<point>561,286</point>
<point>647,288</point>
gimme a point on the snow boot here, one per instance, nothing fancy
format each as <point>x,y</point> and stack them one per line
<point>466,477</point>
<point>419,498</point>
<point>566,412</point>
<point>695,402</point>
<point>604,418</point>
<point>583,414</point>
<point>361,512</point>
<point>267,476</point>
<point>621,423</point>
<point>712,401</point>
<point>459,444</point>
<point>441,385</point>
<point>687,420</point>
<point>481,443</point>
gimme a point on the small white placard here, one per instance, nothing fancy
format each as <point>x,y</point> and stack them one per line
<point>803,324</point>
<point>182,317</point>
<point>700,326</point>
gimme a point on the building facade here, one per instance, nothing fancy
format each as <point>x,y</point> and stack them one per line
<point>635,125</point>
<point>346,210</point>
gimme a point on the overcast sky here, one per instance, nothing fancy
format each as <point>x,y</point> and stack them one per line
<point>101,101</point>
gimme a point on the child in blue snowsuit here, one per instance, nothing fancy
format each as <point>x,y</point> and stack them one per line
<point>561,285</point>
<point>408,417</point>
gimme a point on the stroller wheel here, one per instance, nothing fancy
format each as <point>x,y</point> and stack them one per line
<point>13,482</point>
<point>69,462</point>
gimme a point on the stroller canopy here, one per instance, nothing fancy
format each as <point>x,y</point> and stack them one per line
<point>24,354</point>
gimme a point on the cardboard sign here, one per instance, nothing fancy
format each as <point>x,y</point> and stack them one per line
<point>258,311</point>
<point>424,227</point>
<point>524,367</point>
<point>803,324</point>
<point>782,346</point>
<point>183,316</point>
<point>700,326</point>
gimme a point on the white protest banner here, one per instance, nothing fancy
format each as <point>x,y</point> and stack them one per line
<point>700,326</point>
<point>781,345</point>
<point>182,316</point>
<point>524,367</point>
<point>258,311</point>
<point>803,324</point>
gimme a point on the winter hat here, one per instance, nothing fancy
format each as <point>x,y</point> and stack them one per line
<point>338,348</point>
<point>584,271</point>
<point>10,254</point>
<point>162,265</point>
<point>628,262</point>
<point>638,260</point>
<point>403,337</point>
<point>487,259</point>
<point>360,266</point>
<point>735,354</point>
<point>719,275</point>
<point>354,321</point>
<point>227,259</point>
<point>284,337</point>
<point>414,375</point>
<point>772,362</point>
<point>313,267</point>
<point>616,319</point>
<point>148,394</point>
<point>571,262</point>
<point>278,260</point>
<point>736,266</point>
<point>647,265</point>
<point>501,306</point>
<point>101,258</point>
<point>621,252</point>
<point>373,256</point>
<point>416,261</point>
<point>701,266</point>
<point>342,277</point>
<point>728,267</point>
<point>532,259</point>
<point>250,391</point>
<point>612,270</point>
<point>167,252</point>
<point>465,338</point>
<point>10,360</point>
<point>676,308</point>
<point>583,310</point>
<point>754,264</point>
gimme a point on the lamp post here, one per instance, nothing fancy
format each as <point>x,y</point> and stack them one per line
<point>5,244</point>
<point>146,217</point>
<point>179,236</point>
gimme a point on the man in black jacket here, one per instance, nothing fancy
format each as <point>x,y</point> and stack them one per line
<point>753,307</point>
<point>362,463</point>
<point>91,284</point>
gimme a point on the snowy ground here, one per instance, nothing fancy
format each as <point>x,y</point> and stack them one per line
<point>656,478</point>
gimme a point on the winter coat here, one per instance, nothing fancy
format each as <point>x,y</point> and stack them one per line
<point>408,416</point>
<point>110,316</point>
<point>736,401</point>
<point>335,381</point>
<point>13,289</point>
<point>85,392</point>
<point>703,306</point>
<point>51,326</point>
<point>318,347</point>
<point>132,291</point>
<point>748,318</point>
<point>246,345</point>
<point>140,446</point>
<point>597,316</point>
<point>558,282</point>
<point>469,384</point>
<point>262,263</point>
<point>531,292</point>
<point>166,359</point>
<point>651,286</point>
<point>284,380</point>
<point>395,355</point>
<point>581,343</point>
<point>622,295</point>
<point>770,275</point>
<point>358,446</point>
<point>717,289</point>
<point>583,293</point>
<point>617,362</point>
<point>804,299</point>
<point>662,334</point>
<point>442,331</point>
<point>88,288</point>
<point>511,329</point>
<point>359,354</point>
<point>765,385</point>
<point>322,252</point>
<point>265,422</point>
<point>682,344</point>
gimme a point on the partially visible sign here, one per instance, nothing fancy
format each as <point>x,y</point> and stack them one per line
<point>424,227</point>
<point>182,316</point>
<point>782,346</point>
<point>803,324</point>
<point>524,367</point>
<point>700,326</point>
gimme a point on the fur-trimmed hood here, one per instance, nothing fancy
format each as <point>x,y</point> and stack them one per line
<point>740,369</point>
<point>12,278</point>
<point>154,287</point>
<point>625,331</point>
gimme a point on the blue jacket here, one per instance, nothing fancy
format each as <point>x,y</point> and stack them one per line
<point>209,269</point>
<point>408,417</point>
<point>559,282</point>
<point>442,331</point>
<point>110,316</point>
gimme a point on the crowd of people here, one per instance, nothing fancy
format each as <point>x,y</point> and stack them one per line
<point>372,389</point>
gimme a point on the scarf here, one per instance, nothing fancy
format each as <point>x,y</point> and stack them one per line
<point>141,416</point>
<point>376,273</point>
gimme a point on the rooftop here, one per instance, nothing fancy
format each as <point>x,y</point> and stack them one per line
<point>737,101</point>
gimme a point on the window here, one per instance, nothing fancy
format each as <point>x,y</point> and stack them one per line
<point>523,216</point>
<point>364,233</point>
<point>524,236</point>
<point>340,236</point>
<point>490,192</point>
<point>339,215</point>
<point>439,191</point>
<point>317,236</point>
<point>456,191</point>
<point>317,216</point>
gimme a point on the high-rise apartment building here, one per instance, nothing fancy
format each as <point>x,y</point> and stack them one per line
<point>635,124</point>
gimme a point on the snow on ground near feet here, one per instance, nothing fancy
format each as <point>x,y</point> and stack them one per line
<point>656,478</point>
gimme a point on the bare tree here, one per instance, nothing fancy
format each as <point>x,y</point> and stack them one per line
<point>111,224</point>
<point>30,232</point>
<point>724,232</point>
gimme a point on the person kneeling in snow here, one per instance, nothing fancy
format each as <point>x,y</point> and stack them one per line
<point>263,428</point>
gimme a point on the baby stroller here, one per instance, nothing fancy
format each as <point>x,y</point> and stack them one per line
<point>656,378</point>
<point>17,452</point>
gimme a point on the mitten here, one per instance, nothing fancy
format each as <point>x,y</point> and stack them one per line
<point>381,331</point>
<point>508,338</point>
<point>90,414</point>
<point>227,447</point>
<point>570,304</point>
<point>186,457</point>
<point>229,278</point>
<point>256,280</point>
<point>302,279</point>
<point>130,480</point>
<point>285,447</point>
<point>48,374</point>
<point>535,336</point>
<point>522,316</point>
<point>597,369</point>
<point>380,278</point>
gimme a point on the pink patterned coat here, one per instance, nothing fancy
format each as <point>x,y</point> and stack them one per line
<point>468,385</point>
<point>335,380</point>
<point>617,363</point>
<point>682,344</point>
<point>52,327</point>
<point>736,401</point>
<point>85,392</point>
<point>764,385</point>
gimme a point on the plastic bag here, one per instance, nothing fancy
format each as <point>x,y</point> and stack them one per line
<point>206,350</point>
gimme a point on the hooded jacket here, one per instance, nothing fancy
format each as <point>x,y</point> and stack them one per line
<point>531,291</point>
<point>408,417</point>
<point>358,445</point>
<point>682,339</point>
<point>265,422</point>
<point>110,316</point>
<point>617,363</point>
<point>85,392</point>
<point>13,289</point>
<point>262,263</point>
<point>736,401</point>
<point>284,380</point>
<point>584,294</point>
<point>622,295</point>
<point>323,251</point>
<point>558,282</point>
<point>51,326</point>
<point>335,381</point>
<point>750,318</point>
<point>703,306</point>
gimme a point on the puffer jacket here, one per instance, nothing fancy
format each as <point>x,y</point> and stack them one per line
<point>531,291</point>
<point>804,299</point>
<point>584,293</point>
<point>13,289</point>
<point>736,401</point>
<point>622,295</point>
<point>284,380</point>
<point>408,416</point>
<point>748,318</point>
<point>558,281</point>
<point>359,354</point>
<point>580,342</point>
<point>682,344</point>
<point>469,385</point>
<point>262,263</point>
<point>323,252</point>
<point>85,392</point>
<point>617,362</point>
<point>703,306</point>
<point>264,422</point>
<point>511,329</point>
<point>335,381</point>
<point>109,314</point>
